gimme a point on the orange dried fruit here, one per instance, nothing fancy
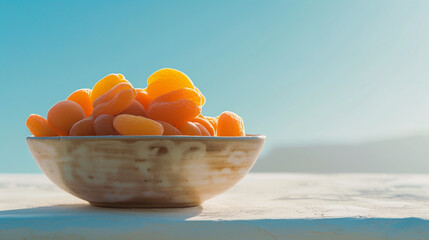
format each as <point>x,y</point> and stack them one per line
<point>183,93</point>
<point>83,98</point>
<point>116,105</point>
<point>109,95</point>
<point>103,125</point>
<point>143,98</point>
<point>230,124</point>
<point>105,84</point>
<point>174,112</point>
<point>39,127</point>
<point>169,129</point>
<point>203,99</point>
<point>166,80</point>
<point>171,103</point>
<point>84,127</point>
<point>189,128</point>
<point>213,122</point>
<point>207,125</point>
<point>203,130</point>
<point>127,124</point>
<point>168,73</point>
<point>63,115</point>
<point>135,109</point>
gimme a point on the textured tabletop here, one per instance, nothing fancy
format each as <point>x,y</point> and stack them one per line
<point>261,206</point>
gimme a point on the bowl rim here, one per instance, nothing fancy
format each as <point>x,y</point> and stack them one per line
<point>247,137</point>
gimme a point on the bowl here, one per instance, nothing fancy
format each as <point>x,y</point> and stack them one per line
<point>145,171</point>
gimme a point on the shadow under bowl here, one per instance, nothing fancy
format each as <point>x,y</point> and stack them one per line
<point>145,171</point>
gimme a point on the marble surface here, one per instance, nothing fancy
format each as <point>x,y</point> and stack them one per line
<point>261,206</point>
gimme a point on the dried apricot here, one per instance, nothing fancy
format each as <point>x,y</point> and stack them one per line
<point>103,125</point>
<point>63,115</point>
<point>188,128</point>
<point>183,93</point>
<point>39,127</point>
<point>109,95</point>
<point>207,125</point>
<point>135,109</point>
<point>203,99</point>
<point>166,80</point>
<point>203,130</point>
<point>105,84</point>
<point>169,105</point>
<point>127,124</point>
<point>230,124</point>
<point>169,129</point>
<point>84,127</point>
<point>143,98</point>
<point>213,122</point>
<point>174,112</point>
<point>116,105</point>
<point>83,98</point>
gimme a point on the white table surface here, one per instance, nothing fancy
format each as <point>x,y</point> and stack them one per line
<point>261,206</point>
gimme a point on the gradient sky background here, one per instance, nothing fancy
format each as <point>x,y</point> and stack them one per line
<point>297,71</point>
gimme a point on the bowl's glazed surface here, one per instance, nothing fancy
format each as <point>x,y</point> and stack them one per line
<point>145,171</point>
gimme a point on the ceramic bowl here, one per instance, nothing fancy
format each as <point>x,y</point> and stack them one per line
<point>145,171</point>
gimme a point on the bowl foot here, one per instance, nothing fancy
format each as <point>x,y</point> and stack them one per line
<point>144,205</point>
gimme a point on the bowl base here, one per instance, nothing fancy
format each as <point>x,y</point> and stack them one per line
<point>144,205</point>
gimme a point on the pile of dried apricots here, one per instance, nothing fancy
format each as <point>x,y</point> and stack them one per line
<point>169,105</point>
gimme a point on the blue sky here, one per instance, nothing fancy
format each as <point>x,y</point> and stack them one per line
<point>298,71</point>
